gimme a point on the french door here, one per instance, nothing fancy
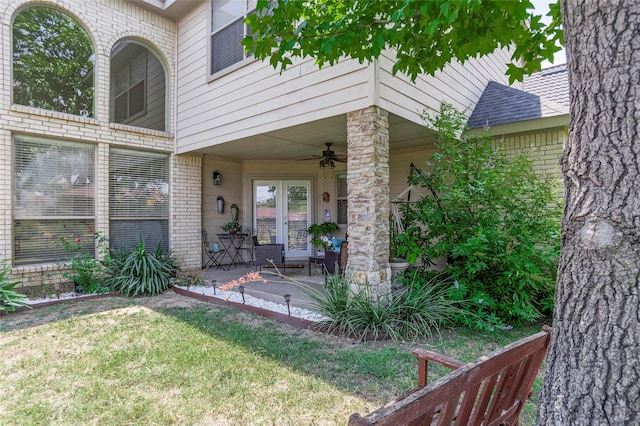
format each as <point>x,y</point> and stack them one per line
<point>282,214</point>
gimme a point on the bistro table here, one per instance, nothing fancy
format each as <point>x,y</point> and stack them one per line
<point>233,245</point>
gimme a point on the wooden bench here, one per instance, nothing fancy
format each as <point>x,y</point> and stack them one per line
<point>489,391</point>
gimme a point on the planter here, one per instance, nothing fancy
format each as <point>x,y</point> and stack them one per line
<point>397,266</point>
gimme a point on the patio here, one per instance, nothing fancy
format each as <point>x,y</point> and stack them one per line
<point>276,287</point>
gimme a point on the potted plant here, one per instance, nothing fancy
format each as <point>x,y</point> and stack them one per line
<point>232,227</point>
<point>404,251</point>
<point>397,261</point>
<point>321,234</point>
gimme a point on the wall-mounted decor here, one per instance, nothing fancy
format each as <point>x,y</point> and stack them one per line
<point>325,197</point>
<point>217,178</point>
<point>220,202</point>
<point>234,212</point>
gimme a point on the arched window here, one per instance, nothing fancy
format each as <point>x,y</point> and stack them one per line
<point>53,62</point>
<point>137,87</point>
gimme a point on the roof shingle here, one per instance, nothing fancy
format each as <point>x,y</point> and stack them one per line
<point>546,95</point>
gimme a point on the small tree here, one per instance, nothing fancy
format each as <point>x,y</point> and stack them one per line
<point>496,221</point>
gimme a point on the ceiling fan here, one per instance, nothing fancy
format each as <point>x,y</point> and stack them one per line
<point>328,157</point>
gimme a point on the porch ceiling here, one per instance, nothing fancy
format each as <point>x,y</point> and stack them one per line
<point>305,140</point>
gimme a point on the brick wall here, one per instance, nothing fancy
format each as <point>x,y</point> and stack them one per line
<point>186,220</point>
<point>545,149</point>
<point>107,22</point>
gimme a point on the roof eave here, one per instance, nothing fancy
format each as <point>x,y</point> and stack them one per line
<point>527,126</point>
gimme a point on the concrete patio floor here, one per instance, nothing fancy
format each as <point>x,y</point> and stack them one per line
<point>276,287</point>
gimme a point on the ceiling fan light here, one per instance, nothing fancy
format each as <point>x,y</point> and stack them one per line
<point>331,164</point>
<point>322,165</point>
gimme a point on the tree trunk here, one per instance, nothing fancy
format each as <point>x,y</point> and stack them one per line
<point>593,365</point>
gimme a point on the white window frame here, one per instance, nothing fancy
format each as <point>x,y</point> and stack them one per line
<point>249,7</point>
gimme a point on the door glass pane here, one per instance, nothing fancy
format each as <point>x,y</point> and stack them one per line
<point>265,197</point>
<point>297,214</point>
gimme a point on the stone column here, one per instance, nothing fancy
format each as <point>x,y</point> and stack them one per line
<point>368,196</point>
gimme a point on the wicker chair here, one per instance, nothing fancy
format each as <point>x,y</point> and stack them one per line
<point>268,254</point>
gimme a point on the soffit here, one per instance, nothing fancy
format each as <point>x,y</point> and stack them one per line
<point>171,9</point>
<point>305,140</point>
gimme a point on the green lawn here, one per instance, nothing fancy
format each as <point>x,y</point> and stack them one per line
<point>121,361</point>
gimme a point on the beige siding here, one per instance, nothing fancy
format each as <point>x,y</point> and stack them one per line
<point>459,85</point>
<point>237,187</point>
<point>400,166</point>
<point>255,98</point>
<point>231,190</point>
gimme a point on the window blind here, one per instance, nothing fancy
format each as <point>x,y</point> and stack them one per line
<point>53,198</point>
<point>226,49</point>
<point>138,199</point>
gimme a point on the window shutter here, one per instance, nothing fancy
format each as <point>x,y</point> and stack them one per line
<point>341,198</point>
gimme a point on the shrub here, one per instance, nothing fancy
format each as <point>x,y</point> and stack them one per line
<point>496,221</point>
<point>416,310</point>
<point>87,273</point>
<point>141,272</point>
<point>9,298</point>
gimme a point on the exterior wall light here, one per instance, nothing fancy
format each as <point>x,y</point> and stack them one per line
<point>217,178</point>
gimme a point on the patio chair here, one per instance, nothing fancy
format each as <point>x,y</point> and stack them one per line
<point>334,258</point>
<point>214,256</point>
<point>268,254</point>
<point>330,261</point>
<point>343,257</point>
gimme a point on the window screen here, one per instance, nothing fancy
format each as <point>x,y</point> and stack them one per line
<point>53,198</point>
<point>138,199</point>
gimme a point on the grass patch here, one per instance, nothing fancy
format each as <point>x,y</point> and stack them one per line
<point>119,361</point>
